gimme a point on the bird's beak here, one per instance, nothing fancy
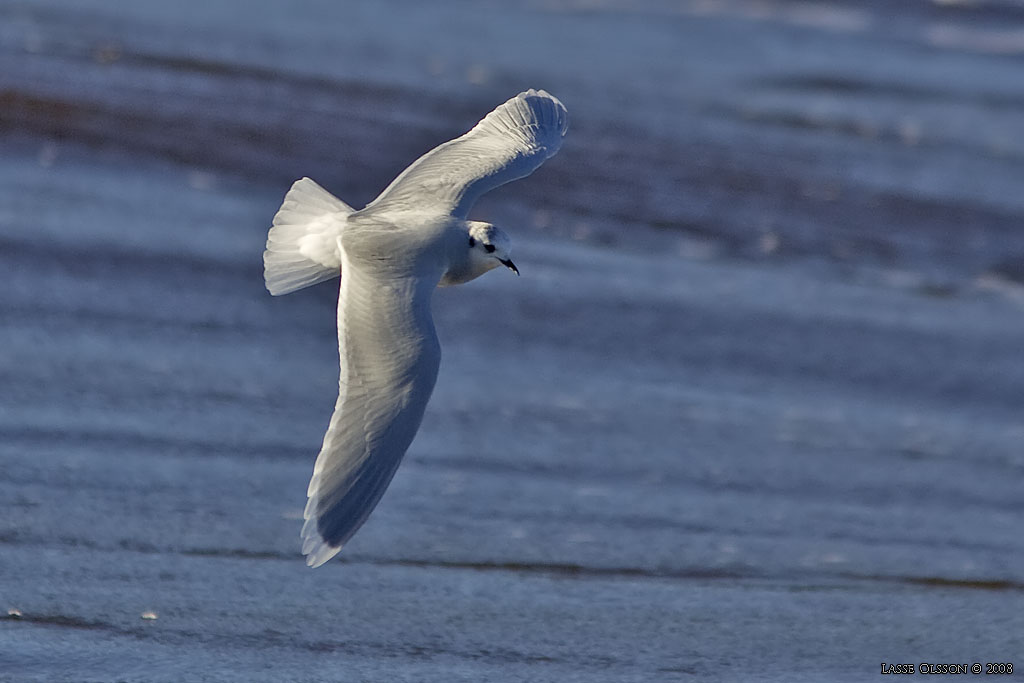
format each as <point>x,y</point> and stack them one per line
<point>507,262</point>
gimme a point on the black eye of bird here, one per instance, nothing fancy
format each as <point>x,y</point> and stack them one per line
<point>472,242</point>
<point>489,248</point>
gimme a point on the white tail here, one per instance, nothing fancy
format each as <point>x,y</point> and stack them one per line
<point>302,247</point>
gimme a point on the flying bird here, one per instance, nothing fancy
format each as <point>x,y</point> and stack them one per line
<point>391,255</point>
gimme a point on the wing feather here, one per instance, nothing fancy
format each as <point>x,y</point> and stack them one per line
<point>509,143</point>
<point>389,360</point>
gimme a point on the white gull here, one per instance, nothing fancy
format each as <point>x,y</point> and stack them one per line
<point>391,255</point>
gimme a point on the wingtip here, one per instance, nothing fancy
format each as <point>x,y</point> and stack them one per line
<point>321,555</point>
<point>314,562</point>
<point>315,548</point>
<point>560,113</point>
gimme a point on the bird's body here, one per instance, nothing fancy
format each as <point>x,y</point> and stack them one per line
<point>391,256</point>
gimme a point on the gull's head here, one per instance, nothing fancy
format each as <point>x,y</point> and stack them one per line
<point>483,248</point>
<point>489,247</point>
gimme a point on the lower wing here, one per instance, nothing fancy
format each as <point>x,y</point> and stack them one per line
<point>389,361</point>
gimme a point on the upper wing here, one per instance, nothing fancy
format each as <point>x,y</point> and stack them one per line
<point>509,143</point>
<point>389,360</point>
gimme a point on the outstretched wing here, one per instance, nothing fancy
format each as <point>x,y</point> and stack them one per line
<point>509,143</point>
<point>389,360</point>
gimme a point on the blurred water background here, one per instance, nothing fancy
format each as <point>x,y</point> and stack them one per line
<point>755,410</point>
